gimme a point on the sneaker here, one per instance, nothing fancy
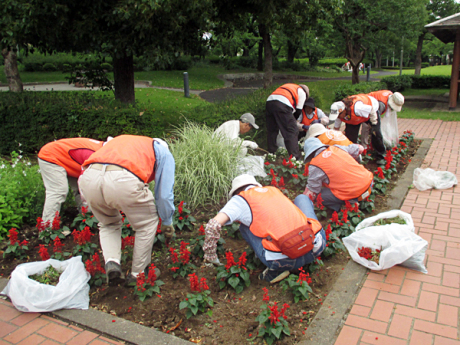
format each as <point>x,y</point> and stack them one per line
<point>273,276</point>
<point>113,273</point>
<point>131,280</point>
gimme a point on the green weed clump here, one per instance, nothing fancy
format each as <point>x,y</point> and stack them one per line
<point>22,193</point>
<point>205,166</point>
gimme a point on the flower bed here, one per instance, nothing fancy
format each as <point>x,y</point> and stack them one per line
<point>207,305</point>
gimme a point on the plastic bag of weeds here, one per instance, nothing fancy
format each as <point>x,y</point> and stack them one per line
<point>71,292</point>
<point>425,179</point>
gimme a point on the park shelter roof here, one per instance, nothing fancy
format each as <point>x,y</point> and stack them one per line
<point>445,29</point>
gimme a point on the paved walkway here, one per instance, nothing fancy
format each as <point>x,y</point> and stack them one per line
<point>400,306</point>
<point>35,328</point>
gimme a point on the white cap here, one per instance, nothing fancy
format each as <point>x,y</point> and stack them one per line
<point>306,89</point>
<point>242,180</point>
<point>336,109</point>
<point>249,118</point>
<point>396,101</point>
<point>315,130</point>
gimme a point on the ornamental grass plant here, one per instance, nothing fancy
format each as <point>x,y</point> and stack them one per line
<point>205,167</point>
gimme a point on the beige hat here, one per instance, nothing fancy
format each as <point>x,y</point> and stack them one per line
<point>315,130</point>
<point>242,180</point>
<point>249,118</point>
<point>396,101</point>
<point>306,89</point>
<point>336,109</point>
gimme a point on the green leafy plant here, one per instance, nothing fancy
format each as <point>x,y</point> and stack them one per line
<point>385,221</point>
<point>127,247</point>
<point>182,218</point>
<point>58,254</point>
<point>233,273</point>
<point>84,247</point>
<point>315,265</point>
<point>181,265</point>
<point>205,167</point>
<point>85,218</point>
<point>333,243</point>
<point>49,277</point>
<point>272,322</point>
<point>146,286</point>
<point>298,285</point>
<point>367,205</point>
<point>48,232</point>
<point>16,249</point>
<point>198,301</point>
<point>380,182</point>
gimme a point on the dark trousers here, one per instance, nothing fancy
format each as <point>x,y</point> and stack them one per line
<point>279,117</point>
<point>352,131</point>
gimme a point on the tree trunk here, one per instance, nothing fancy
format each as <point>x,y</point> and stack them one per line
<point>260,57</point>
<point>268,56</point>
<point>355,54</point>
<point>123,73</point>
<point>11,70</point>
<point>378,59</point>
<point>418,54</point>
<point>291,50</point>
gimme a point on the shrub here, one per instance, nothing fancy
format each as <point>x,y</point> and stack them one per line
<point>343,91</point>
<point>182,63</point>
<point>49,67</point>
<point>339,62</point>
<point>398,83</point>
<point>106,66</point>
<point>430,81</point>
<point>32,119</point>
<point>205,166</point>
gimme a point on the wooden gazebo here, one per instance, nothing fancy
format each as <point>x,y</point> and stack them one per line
<point>448,30</point>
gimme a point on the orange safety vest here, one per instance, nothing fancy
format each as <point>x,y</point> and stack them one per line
<point>351,117</point>
<point>132,152</point>
<point>381,96</point>
<point>347,178</point>
<point>331,137</point>
<point>274,215</point>
<point>70,153</point>
<point>305,120</point>
<point>290,92</point>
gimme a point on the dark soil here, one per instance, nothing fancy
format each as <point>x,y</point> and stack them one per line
<point>233,316</point>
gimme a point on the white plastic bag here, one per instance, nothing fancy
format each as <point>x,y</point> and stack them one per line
<point>428,178</point>
<point>398,243</point>
<point>71,292</point>
<point>389,128</point>
<point>252,165</point>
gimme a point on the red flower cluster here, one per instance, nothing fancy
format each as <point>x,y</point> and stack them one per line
<point>56,225</point>
<point>57,245</point>
<point>174,257</point>
<point>82,237</point>
<point>41,225</point>
<point>304,277</point>
<point>366,253</point>
<point>305,171</point>
<point>379,173</point>
<point>152,277</point>
<point>184,253</point>
<point>84,210</point>
<point>13,236</point>
<point>197,285</point>
<point>328,232</point>
<point>43,252</point>
<point>230,260</point>
<point>266,297</point>
<point>127,241</point>
<point>319,202</point>
<point>180,208</point>
<point>388,159</point>
<point>345,216</point>
<point>201,230</point>
<point>141,282</point>
<point>335,217</point>
<point>242,260</point>
<point>159,226</point>
<point>295,176</point>
<point>94,266</point>
<point>288,163</point>
<point>275,314</point>
<point>281,182</point>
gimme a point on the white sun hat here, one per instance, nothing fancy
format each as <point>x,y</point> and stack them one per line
<point>242,180</point>
<point>336,109</point>
<point>315,130</point>
<point>396,101</point>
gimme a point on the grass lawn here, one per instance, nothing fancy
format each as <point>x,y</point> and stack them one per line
<point>422,92</point>
<point>409,112</point>
<point>433,70</point>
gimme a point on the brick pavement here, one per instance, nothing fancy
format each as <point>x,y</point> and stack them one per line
<point>35,328</point>
<point>401,306</point>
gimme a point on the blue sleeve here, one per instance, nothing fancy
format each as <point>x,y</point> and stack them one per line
<point>164,183</point>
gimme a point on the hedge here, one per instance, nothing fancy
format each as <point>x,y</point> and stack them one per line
<point>403,82</point>
<point>343,91</point>
<point>32,119</point>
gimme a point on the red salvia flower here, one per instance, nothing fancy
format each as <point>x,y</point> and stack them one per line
<point>181,218</point>
<point>379,173</point>
<point>127,241</point>
<point>345,216</point>
<point>284,162</point>
<point>328,231</point>
<point>266,298</point>
<point>274,314</point>
<point>356,209</point>
<point>24,243</point>
<point>174,257</point>
<point>283,310</point>
<point>272,172</point>
<point>203,285</point>
<point>152,276</point>
<point>180,207</point>
<point>140,282</point>
<point>348,206</point>
<point>281,183</point>
<point>242,260</point>
<point>230,260</point>
<point>319,202</point>
<point>40,224</point>
<point>335,217</point>
<point>43,252</point>
<point>302,276</point>
<point>13,236</point>
<point>274,183</point>
<point>295,176</point>
<point>201,230</point>
<point>57,245</point>
<point>159,226</point>
<point>56,225</point>
<point>267,163</point>
<point>84,210</point>
<point>194,283</point>
<point>184,253</point>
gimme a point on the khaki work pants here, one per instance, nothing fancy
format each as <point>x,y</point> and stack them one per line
<point>108,192</point>
<point>56,184</point>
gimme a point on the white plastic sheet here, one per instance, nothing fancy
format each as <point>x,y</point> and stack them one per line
<point>425,179</point>
<point>252,165</point>
<point>398,243</point>
<point>71,292</point>
<point>389,127</point>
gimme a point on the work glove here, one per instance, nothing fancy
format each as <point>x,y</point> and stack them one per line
<point>211,263</point>
<point>250,144</point>
<point>299,126</point>
<point>373,118</point>
<point>310,194</point>
<point>361,149</point>
<point>325,121</point>
<point>167,230</point>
